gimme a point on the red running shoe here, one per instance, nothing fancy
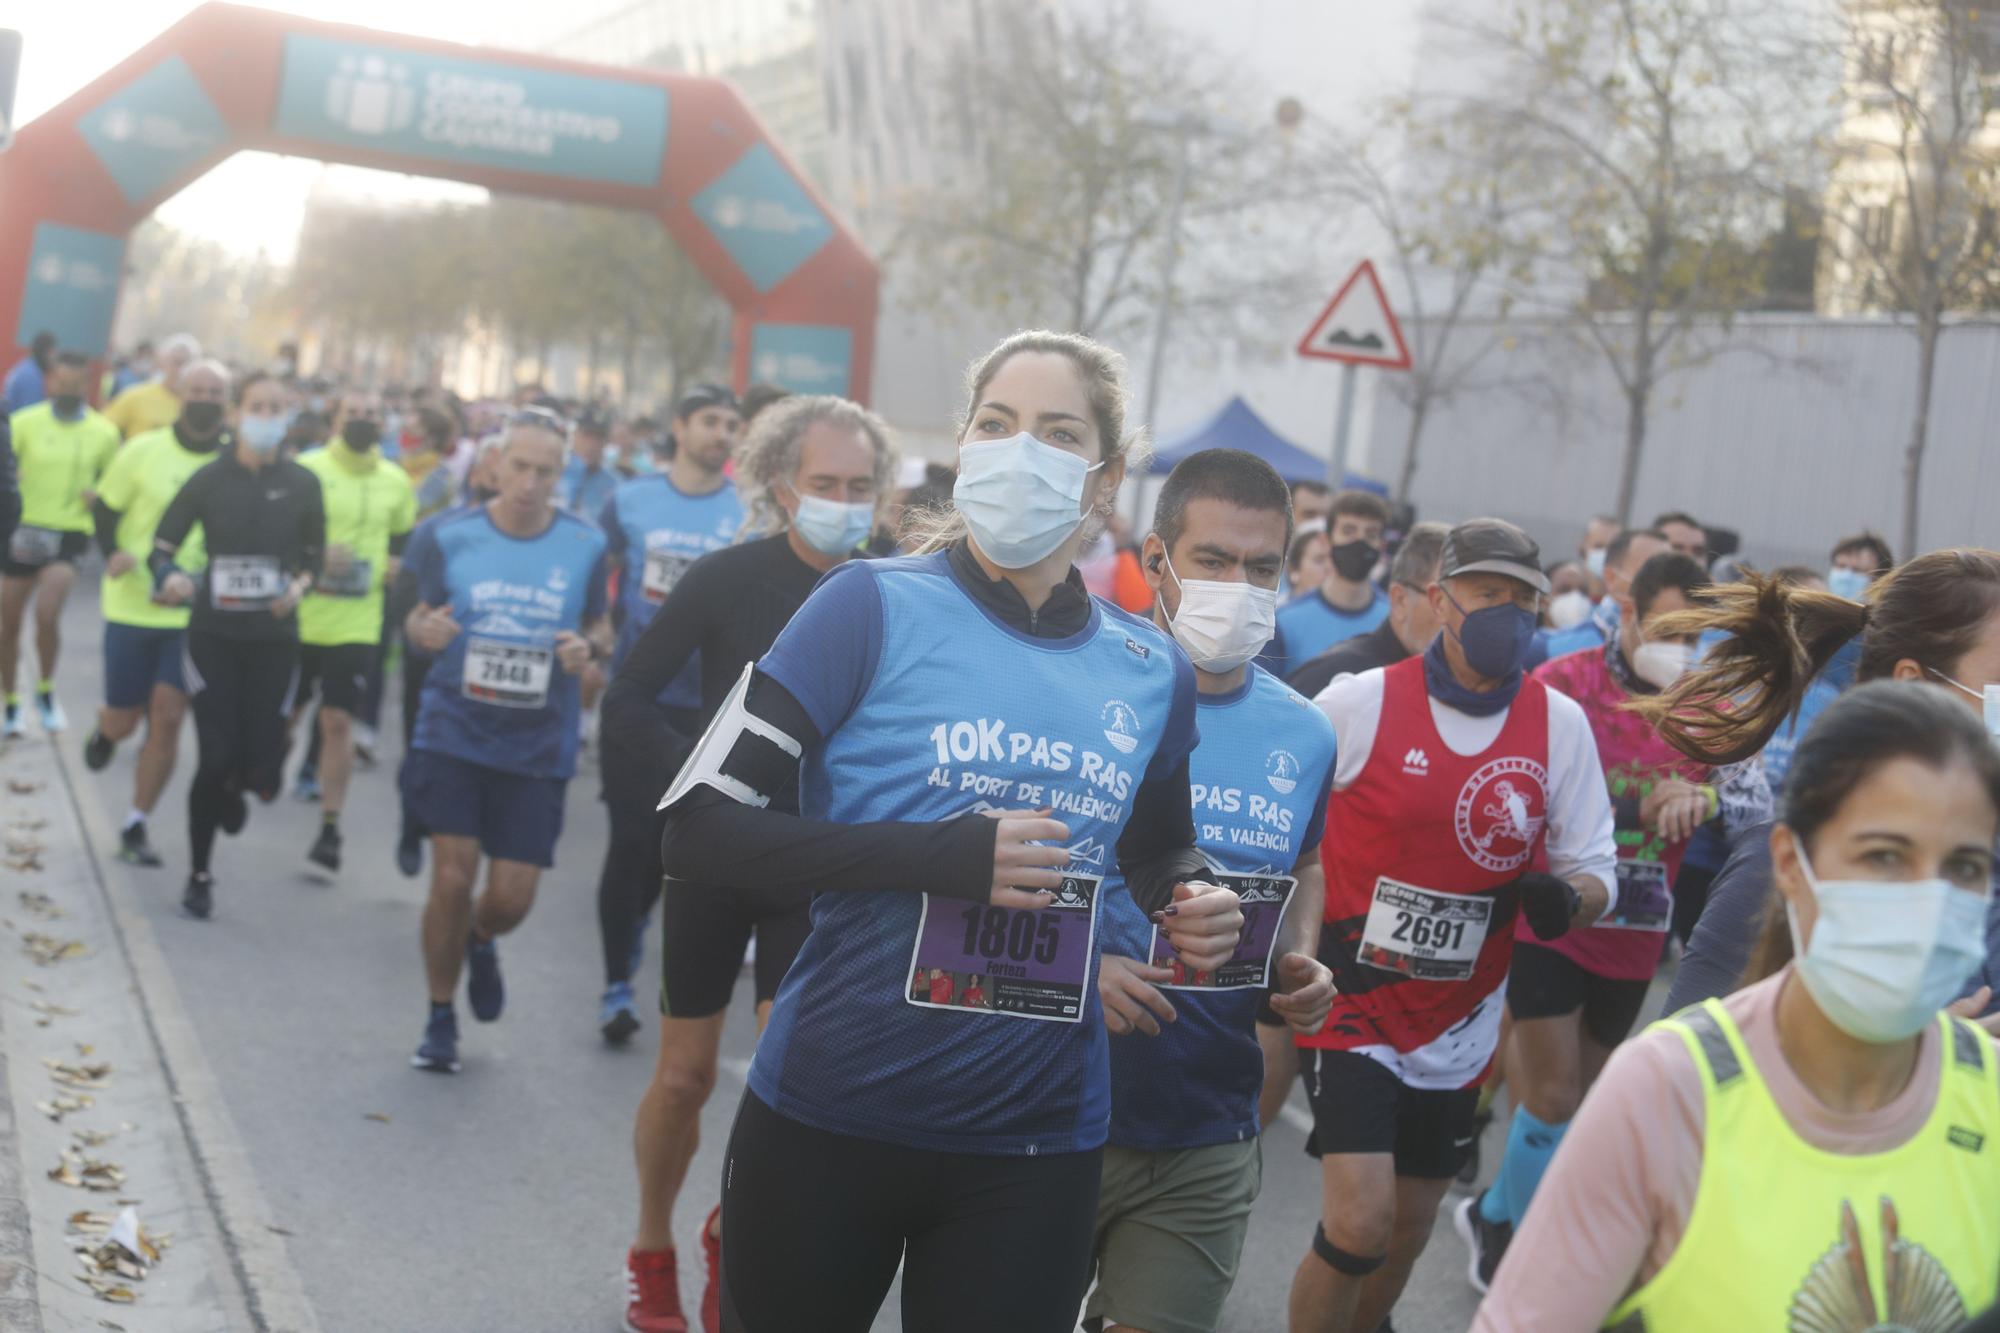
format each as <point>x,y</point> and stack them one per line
<point>711,1295</point>
<point>653,1293</point>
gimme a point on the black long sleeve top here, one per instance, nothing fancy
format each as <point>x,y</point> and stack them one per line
<point>713,839</point>
<point>261,528</point>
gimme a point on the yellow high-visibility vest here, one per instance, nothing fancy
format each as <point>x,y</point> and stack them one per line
<point>1787,1238</point>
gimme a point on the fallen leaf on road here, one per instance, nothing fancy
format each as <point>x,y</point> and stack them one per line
<point>47,949</point>
<point>49,1012</point>
<point>63,1103</point>
<point>20,788</point>
<point>30,824</point>
<point>24,864</point>
<point>115,1292</point>
<point>278,1231</point>
<point>376,1116</point>
<point>92,1138</point>
<point>41,905</point>
<point>24,844</point>
<point>90,1173</point>
<point>78,1076</point>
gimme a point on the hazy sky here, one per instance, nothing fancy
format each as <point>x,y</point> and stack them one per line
<point>254,200</point>
<point>1334,55</point>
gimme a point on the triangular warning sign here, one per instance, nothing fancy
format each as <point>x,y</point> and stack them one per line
<point>1357,326</point>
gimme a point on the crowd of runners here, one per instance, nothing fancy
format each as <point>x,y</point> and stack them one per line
<point>1064,854</point>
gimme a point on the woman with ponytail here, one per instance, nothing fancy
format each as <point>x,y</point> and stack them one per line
<point>1935,620</point>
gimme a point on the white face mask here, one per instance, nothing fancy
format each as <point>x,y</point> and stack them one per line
<point>1886,956</point>
<point>1989,700</point>
<point>1572,608</point>
<point>831,527</point>
<point>1021,498</point>
<point>1593,560</point>
<point>1660,663</point>
<point>261,434</point>
<point>1222,625</point>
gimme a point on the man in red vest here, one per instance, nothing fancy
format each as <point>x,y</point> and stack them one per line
<point>1464,796</point>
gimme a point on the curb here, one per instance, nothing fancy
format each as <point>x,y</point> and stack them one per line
<point>20,1299</point>
<point>262,1265</point>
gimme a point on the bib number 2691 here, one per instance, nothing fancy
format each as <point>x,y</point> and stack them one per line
<point>1004,961</point>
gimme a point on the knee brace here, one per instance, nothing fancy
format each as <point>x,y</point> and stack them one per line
<point>1353,1265</point>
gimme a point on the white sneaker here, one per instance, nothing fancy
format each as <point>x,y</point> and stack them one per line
<point>51,713</point>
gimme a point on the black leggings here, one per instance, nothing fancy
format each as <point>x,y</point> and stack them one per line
<point>629,885</point>
<point>242,692</point>
<point>815,1223</point>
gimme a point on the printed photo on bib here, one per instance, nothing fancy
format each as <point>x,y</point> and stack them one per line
<point>34,546</point>
<point>1424,935</point>
<point>1644,900</point>
<point>999,960</point>
<point>663,571</point>
<point>357,580</point>
<point>510,675</point>
<point>244,582</point>
<point>1264,899</point>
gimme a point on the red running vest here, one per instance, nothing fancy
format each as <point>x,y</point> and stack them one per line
<point>1447,831</point>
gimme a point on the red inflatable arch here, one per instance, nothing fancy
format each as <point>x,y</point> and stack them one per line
<point>228,78</point>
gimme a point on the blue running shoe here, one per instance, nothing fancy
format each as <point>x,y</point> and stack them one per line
<point>617,1016</point>
<point>306,789</point>
<point>482,983</point>
<point>438,1053</point>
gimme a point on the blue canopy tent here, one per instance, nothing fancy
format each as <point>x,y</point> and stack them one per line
<point>1236,426</point>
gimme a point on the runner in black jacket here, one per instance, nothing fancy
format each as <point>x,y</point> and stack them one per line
<point>263,530</point>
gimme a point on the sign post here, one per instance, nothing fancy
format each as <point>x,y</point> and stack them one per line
<point>1357,329</point>
<point>10,78</point>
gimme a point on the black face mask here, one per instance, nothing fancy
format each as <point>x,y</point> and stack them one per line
<point>361,436</point>
<point>1352,560</point>
<point>67,404</point>
<point>482,494</point>
<point>201,419</point>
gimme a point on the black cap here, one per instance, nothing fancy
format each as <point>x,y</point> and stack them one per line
<point>1493,546</point>
<point>706,395</point>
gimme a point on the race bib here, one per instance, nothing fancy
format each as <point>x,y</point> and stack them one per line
<point>34,546</point>
<point>1424,935</point>
<point>509,675</point>
<point>663,571</point>
<point>357,580</point>
<point>999,960</point>
<point>1264,899</point>
<point>244,582</point>
<point>1644,900</point>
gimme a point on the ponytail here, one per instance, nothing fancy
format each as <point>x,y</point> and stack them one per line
<point>1778,637</point>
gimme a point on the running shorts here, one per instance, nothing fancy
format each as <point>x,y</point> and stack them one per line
<point>69,548</point>
<point>138,657</point>
<point>1170,1229</point>
<point>1546,983</point>
<point>1359,1106</point>
<point>514,817</point>
<point>703,933</point>
<point>339,672</point>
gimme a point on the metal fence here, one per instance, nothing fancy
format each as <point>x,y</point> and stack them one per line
<point>1789,429</point>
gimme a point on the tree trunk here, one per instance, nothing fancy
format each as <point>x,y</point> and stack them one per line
<point>1930,328</point>
<point>1418,411</point>
<point>1637,401</point>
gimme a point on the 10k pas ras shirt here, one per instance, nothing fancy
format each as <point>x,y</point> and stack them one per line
<point>497,696</point>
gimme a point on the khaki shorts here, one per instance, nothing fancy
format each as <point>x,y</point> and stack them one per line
<point>1170,1229</point>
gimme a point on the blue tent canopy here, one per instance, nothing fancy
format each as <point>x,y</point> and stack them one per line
<point>1236,426</point>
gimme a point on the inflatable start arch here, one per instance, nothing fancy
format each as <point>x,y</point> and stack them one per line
<point>228,78</point>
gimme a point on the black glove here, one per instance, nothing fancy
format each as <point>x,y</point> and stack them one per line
<point>1548,903</point>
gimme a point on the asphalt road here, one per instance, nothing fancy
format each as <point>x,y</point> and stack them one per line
<point>502,1198</point>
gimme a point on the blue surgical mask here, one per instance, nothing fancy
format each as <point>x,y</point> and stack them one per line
<point>833,528</point>
<point>1021,498</point>
<point>262,435</point>
<point>1849,583</point>
<point>1989,701</point>
<point>1495,639</point>
<point>1886,956</point>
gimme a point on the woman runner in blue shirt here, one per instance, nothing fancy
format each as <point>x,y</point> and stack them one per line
<point>974,736</point>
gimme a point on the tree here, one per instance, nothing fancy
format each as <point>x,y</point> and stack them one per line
<point>1078,152</point>
<point>1448,213</point>
<point>1649,129</point>
<point>1915,183</point>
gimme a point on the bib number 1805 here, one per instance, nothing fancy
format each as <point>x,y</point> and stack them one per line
<point>989,934</point>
